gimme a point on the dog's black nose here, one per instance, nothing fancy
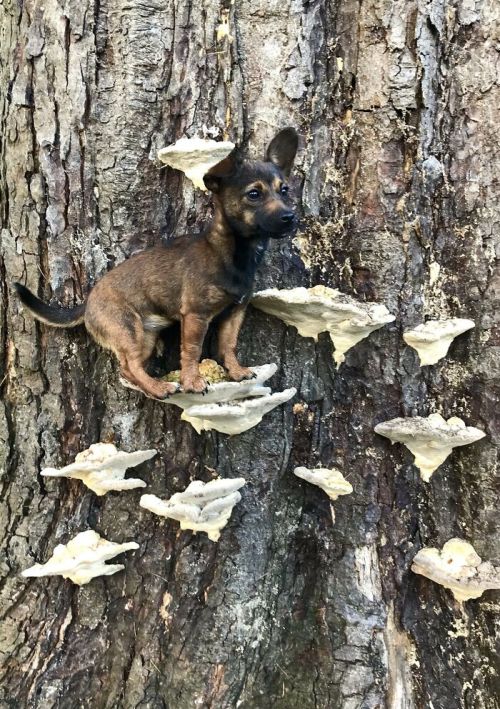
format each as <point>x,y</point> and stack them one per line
<point>287,217</point>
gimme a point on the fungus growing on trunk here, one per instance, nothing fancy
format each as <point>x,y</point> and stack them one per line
<point>82,559</point>
<point>330,480</point>
<point>235,416</point>
<point>102,468</point>
<point>202,507</point>
<point>457,567</point>
<point>432,339</point>
<point>322,309</point>
<point>431,439</point>
<point>195,156</point>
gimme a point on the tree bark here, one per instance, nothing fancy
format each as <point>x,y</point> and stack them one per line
<point>395,101</point>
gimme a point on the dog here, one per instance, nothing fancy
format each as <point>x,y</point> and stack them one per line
<point>192,279</point>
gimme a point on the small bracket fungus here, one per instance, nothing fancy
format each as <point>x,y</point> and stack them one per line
<point>82,559</point>
<point>195,157</point>
<point>458,568</point>
<point>431,439</point>
<point>433,338</point>
<point>322,309</point>
<point>331,481</point>
<point>102,468</point>
<point>202,507</point>
<point>235,416</point>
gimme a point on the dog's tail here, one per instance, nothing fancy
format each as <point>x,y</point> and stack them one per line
<point>49,314</point>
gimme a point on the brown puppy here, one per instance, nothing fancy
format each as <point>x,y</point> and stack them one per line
<point>192,279</point>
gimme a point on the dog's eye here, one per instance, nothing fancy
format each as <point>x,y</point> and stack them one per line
<point>284,189</point>
<point>253,194</point>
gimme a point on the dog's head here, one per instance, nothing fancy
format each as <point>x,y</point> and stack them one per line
<point>254,195</point>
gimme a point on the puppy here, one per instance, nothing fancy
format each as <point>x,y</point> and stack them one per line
<point>191,279</point>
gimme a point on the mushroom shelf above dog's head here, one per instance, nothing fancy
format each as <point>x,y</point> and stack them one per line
<point>195,157</point>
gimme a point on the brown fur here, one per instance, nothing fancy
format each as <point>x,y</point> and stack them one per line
<point>191,280</point>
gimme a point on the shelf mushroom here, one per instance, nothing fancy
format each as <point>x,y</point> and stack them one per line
<point>432,339</point>
<point>330,480</point>
<point>202,507</point>
<point>431,439</point>
<point>457,567</point>
<point>82,559</point>
<point>195,157</point>
<point>102,468</point>
<point>322,309</point>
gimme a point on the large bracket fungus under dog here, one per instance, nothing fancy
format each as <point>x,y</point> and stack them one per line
<point>228,407</point>
<point>323,309</point>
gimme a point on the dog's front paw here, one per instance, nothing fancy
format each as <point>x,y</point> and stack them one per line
<point>194,385</point>
<point>238,374</point>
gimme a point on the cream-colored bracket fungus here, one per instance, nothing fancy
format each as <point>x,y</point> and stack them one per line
<point>202,507</point>
<point>102,468</point>
<point>330,480</point>
<point>322,309</point>
<point>432,339</point>
<point>195,157</point>
<point>431,439</point>
<point>457,567</point>
<point>228,407</point>
<point>235,416</point>
<point>82,559</point>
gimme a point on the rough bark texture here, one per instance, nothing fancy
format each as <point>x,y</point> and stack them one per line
<point>395,100</point>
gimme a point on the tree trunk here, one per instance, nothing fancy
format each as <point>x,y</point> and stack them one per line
<point>395,101</point>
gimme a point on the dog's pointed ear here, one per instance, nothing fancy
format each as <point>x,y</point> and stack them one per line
<point>282,150</point>
<point>224,169</point>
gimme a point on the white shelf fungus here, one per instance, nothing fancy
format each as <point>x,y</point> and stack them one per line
<point>102,468</point>
<point>458,568</point>
<point>202,507</point>
<point>432,339</point>
<point>195,157</point>
<point>235,416</point>
<point>223,391</point>
<point>82,559</point>
<point>431,439</point>
<point>322,309</point>
<point>330,480</point>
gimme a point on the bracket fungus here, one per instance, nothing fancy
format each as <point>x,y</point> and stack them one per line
<point>227,406</point>
<point>235,416</point>
<point>432,339</point>
<point>202,507</point>
<point>330,480</point>
<point>102,468</point>
<point>195,157</point>
<point>431,439</point>
<point>457,567</point>
<point>82,559</point>
<point>322,309</point>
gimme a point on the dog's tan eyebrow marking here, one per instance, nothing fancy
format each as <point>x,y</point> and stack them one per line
<point>277,184</point>
<point>255,186</point>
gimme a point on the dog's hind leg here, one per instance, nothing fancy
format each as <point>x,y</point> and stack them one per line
<point>120,329</point>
